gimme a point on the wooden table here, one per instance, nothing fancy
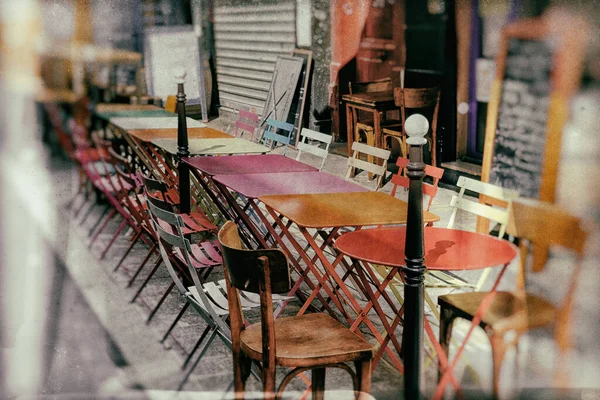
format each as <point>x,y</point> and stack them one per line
<point>154,113</point>
<point>247,164</point>
<point>148,135</point>
<point>376,103</point>
<point>250,187</point>
<point>112,107</point>
<point>127,123</point>
<point>445,250</point>
<point>204,168</point>
<point>328,213</point>
<point>213,146</point>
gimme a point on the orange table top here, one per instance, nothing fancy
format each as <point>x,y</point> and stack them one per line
<point>371,99</point>
<point>336,210</point>
<point>108,107</point>
<point>445,249</point>
<point>148,135</point>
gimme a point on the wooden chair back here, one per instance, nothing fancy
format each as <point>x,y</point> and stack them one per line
<point>256,271</point>
<point>380,85</point>
<point>540,226</point>
<point>400,179</point>
<point>378,168</point>
<point>278,132</point>
<point>489,212</point>
<point>247,122</point>
<point>421,99</point>
<point>314,149</point>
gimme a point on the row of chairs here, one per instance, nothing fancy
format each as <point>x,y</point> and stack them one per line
<point>188,247</point>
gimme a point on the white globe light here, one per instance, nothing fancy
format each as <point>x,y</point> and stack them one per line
<point>179,74</point>
<point>416,127</point>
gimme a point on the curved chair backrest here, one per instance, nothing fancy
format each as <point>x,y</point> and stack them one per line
<point>243,265</point>
<point>272,133</point>
<point>314,149</point>
<point>544,225</point>
<point>400,179</point>
<point>500,195</point>
<point>247,122</point>
<point>424,100</point>
<point>258,271</point>
<point>378,168</point>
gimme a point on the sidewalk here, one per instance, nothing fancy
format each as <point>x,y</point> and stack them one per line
<point>143,362</point>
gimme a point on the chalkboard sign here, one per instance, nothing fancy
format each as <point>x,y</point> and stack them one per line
<point>521,131</point>
<point>537,72</point>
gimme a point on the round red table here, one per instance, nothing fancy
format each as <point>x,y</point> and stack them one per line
<point>444,249</point>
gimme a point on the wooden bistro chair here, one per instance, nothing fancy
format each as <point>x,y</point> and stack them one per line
<point>311,341</point>
<point>277,132</point>
<point>363,126</point>
<point>377,168</point>
<point>418,100</point>
<point>314,148</point>
<point>540,225</point>
<point>247,122</point>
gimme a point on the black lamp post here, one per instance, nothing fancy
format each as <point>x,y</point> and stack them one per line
<point>416,127</point>
<point>183,170</point>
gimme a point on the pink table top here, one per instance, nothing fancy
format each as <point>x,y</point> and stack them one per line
<point>255,185</point>
<point>247,164</point>
<point>445,249</point>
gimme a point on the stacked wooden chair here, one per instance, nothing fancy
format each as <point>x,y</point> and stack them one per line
<point>422,100</point>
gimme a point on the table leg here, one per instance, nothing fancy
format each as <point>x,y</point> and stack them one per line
<point>349,129</point>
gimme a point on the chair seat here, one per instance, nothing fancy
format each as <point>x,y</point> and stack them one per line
<point>505,304</point>
<point>308,340</point>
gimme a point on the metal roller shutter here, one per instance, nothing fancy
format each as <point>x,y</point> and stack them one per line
<point>248,40</point>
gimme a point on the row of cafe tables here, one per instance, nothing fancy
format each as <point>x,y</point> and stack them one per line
<point>279,202</point>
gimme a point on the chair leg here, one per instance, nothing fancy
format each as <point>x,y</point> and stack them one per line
<point>198,343</point>
<point>210,339</point>
<point>498,352</point>
<point>150,252</point>
<point>318,383</point>
<point>133,242</point>
<point>363,371</point>
<point>106,209</point>
<point>101,227</point>
<point>162,299</point>
<point>158,262</point>
<point>242,366</point>
<point>112,240</point>
<point>185,307</point>
<point>447,317</point>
